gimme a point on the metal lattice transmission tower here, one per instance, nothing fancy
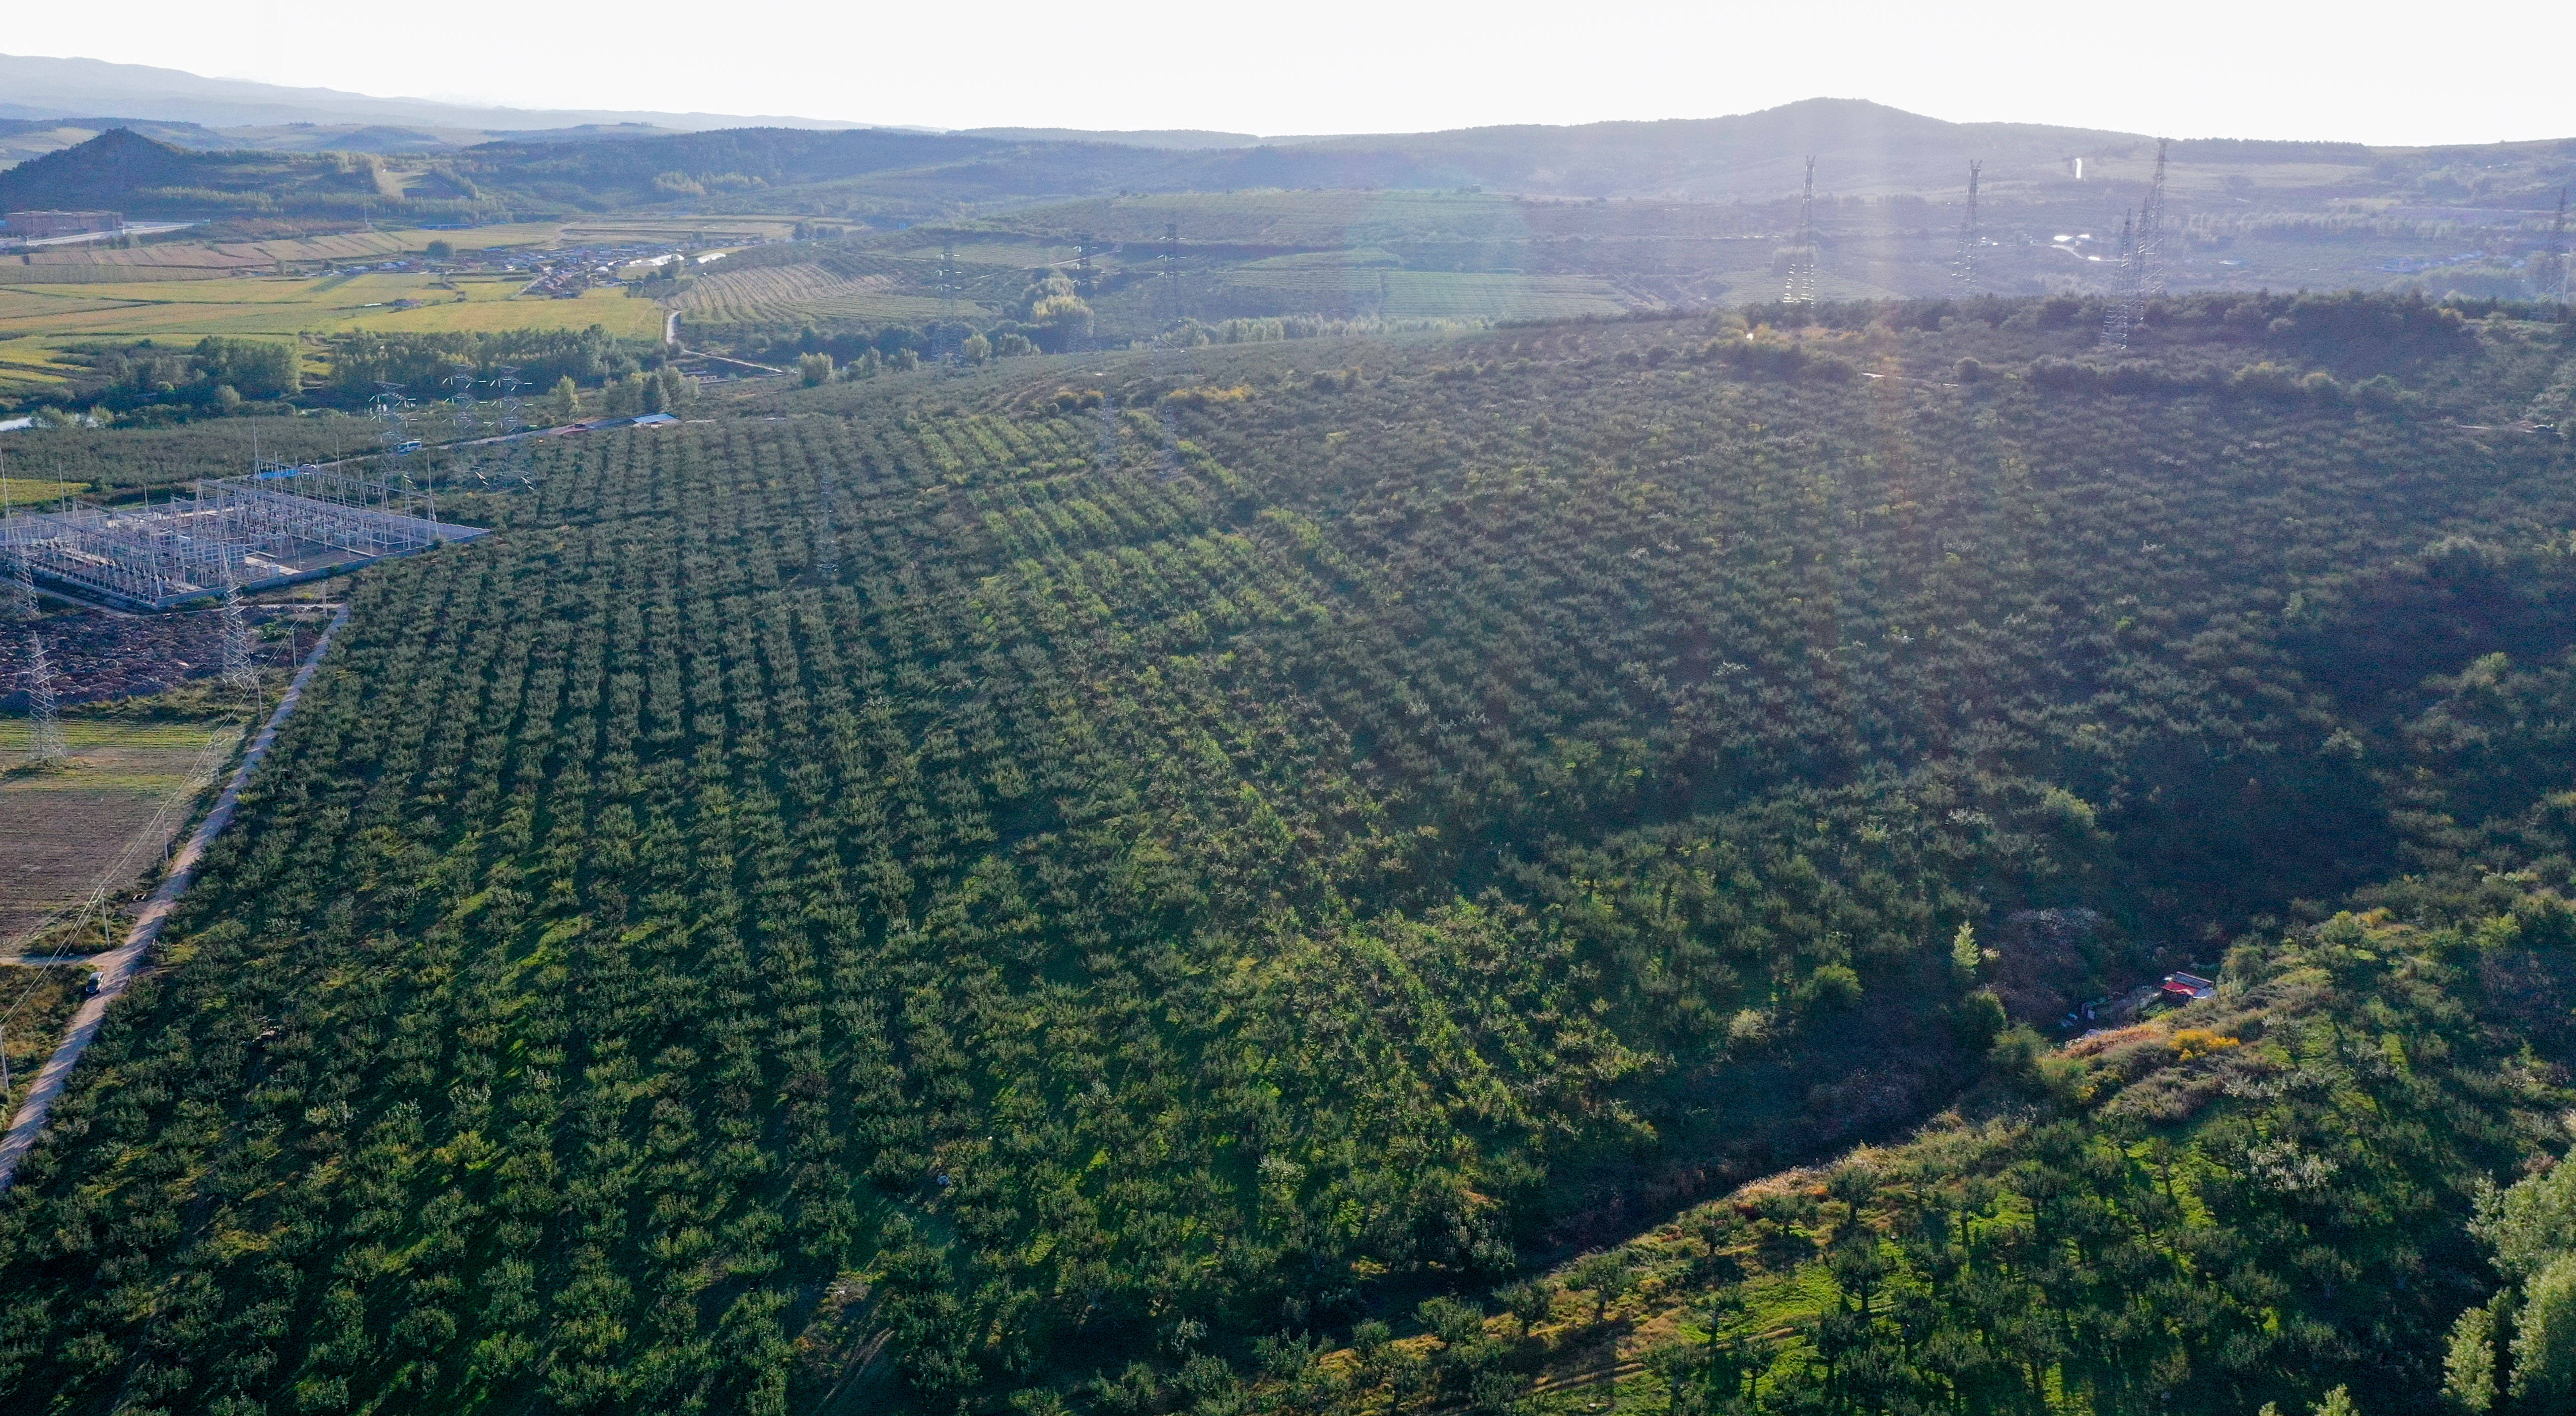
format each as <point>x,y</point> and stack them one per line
<point>1170,259</point>
<point>2128,296</point>
<point>1964,268</point>
<point>240,674</point>
<point>469,418</point>
<point>1800,288</point>
<point>514,412</point>
<point>393,414</point>
<point>22,586</point>
<point>44,708</point>
<point>2151,237</point>
<point>2141,269</point>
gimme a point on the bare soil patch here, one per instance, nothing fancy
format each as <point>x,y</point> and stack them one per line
<point>62,831</point>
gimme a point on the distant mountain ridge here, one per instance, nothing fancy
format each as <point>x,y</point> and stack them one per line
<point>167,164</point>
<point>906,175</point>
<point>45,87</point>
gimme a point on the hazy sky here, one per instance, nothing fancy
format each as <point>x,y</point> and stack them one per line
<point>2247,68</point>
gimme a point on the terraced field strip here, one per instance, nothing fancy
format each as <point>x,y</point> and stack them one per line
<point>776,293</point>
<point>269,305</point>
<point>207,259</point>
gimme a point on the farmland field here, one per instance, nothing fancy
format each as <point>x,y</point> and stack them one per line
<point>264,305</point>
<point>713,230</point>
<point>187,259</point>
<point>61,831</point>
<point>787,294</point>
<point>24,492</point>
<point>30,366</point>
<point>45,318</point>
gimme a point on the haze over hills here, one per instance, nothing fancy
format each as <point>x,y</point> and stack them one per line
<point>45,87</point>
<point>1863,150</point>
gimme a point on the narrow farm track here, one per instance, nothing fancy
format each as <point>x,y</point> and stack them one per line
<point>117,967</point>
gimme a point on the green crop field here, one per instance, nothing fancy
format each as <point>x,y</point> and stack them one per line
<point>1315,838</point>
<point>273,306</point>
<point>23,492</point>
<point>29,366</point>
<point>38,321</point>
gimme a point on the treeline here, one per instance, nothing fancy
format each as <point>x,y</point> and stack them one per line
<point>149,382</point>
<point>363,361</point>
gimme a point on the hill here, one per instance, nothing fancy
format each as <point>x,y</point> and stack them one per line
<point>124,170</point>
<point>1674,212</point>
<point>1151,886</point>
<point>43,87</point>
